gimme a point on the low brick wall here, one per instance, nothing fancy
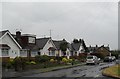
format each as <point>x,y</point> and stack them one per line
<point>4,59</point>
<point>29,58</point>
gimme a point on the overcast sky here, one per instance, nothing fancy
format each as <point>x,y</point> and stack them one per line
<point>95,22</point>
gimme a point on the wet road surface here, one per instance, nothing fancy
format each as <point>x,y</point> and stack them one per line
<point>93,71</point>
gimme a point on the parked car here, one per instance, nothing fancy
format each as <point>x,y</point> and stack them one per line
<point>108,59</point>
<point>113,58</point>
<point>92,60</point>
<point>118,61</point>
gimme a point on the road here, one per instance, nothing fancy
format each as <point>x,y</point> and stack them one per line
<point>80,71</point>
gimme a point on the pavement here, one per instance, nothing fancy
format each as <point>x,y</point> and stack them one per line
<point>12,73</point>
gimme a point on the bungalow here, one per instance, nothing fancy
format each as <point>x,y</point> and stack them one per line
<point>102,49</point>
<point>32,46</point>
<point>9,47</point>
<point>27,42</point>
<point>97,49</point>
<point>44,46</point>
<point>78,47</point>
<point>59,52</point>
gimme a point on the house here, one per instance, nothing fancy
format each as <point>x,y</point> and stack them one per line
<point>27,42</point>
<point>78,47</point>
<point>96,49</point>
<point>9,47</point>
<point>59,52</point>
<point>102,49</point>
<point>32,46</point>
<point>92,49</point>
<point>44,46</point>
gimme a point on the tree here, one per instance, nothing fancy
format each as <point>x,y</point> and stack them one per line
<point>63,47</point>
<point>80,40</point>
<point>75,41</point>
<point>84,45</point>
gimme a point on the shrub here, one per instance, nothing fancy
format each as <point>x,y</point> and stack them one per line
<point>115,53</point>
<point>52,60</point>
<point>42,59</point>
<point>65,60</point>
<point>82,55</point>
<point>32,62</point>
<point>9,65</point>
<point>52,57</point>
<point>70,60</point>
<point>19,63</point>
<point>28,63</point>
<point>58,59</point>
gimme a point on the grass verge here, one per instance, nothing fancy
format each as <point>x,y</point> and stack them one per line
<point>113,71</point>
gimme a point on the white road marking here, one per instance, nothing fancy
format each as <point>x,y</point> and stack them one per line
<point>97,76</point>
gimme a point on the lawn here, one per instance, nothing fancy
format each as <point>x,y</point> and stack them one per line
<point>113,71</point>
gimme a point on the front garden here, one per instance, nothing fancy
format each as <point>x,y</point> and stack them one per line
<point>40,62</point>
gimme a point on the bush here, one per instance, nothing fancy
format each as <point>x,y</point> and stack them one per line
<point>32,62</point>
<point>28,63</point>
<point>9,65</point>
<point>19,63</point>
<point>70,60</point>
<point>65,60</point>
<point>42,59</point>
<point>82,55</point>
<point>115,53</point>
<point>52,57</point>
<point>52,60</point>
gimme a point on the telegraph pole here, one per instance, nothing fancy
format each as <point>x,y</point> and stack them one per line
<point>50,32</point>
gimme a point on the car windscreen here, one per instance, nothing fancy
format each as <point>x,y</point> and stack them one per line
<point>107,57</point>
<point>90,57</point>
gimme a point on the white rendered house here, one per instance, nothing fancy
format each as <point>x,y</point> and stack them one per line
<point>8,45</point>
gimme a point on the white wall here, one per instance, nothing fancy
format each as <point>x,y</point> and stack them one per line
<point>81,48</point>
<point>14,49</point>
<point>45,51</point>
<point>68,53</point>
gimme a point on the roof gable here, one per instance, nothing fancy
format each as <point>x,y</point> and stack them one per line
<point>40,42</point>
<point>57,43</point>
<point>75,46</point>
<point>94,49</point>
<point>3,33</point>
<point>106,48</point>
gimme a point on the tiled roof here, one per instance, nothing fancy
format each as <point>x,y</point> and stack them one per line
<point>40,43</point>
<point>75,46</point>
<point>57,43</point>
<point>96,48</point>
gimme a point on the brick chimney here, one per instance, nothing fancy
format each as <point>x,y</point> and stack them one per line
<point>18,36</point>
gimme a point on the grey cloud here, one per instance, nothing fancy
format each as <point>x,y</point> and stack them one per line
<point>96,22</point>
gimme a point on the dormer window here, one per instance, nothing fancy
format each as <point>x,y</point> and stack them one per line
<point>31,40</point>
